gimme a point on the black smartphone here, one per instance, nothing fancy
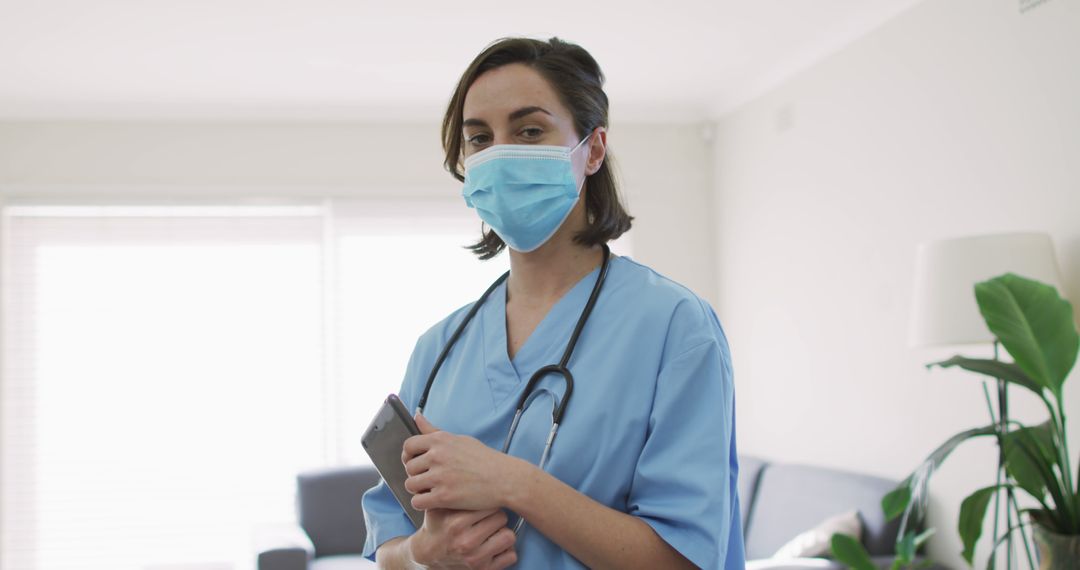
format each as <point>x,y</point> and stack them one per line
<point>384,441</point>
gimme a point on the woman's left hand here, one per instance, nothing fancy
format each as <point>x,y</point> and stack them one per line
<point>448,471</point>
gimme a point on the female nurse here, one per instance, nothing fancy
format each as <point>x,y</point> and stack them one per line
<point>642,472</point>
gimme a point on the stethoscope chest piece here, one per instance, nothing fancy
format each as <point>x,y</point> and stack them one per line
<point>559,405</point>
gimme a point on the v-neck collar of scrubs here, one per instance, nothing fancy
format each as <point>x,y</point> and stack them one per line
<point>544,346</point>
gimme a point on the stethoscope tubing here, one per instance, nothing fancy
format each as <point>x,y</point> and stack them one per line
<point>561,368</point>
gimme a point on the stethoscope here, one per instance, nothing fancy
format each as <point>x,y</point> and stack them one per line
<point>558,409</point>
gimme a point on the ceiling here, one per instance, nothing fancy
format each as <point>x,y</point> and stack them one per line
<point>335,59</point>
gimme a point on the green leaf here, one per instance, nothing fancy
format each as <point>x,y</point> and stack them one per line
<point>1007,371</point>
<point>1034,324</point>
<point>972,513</point>
<point>894,503</point>
<point>918,482</point>
<point>850,552</point>
<point>908,546</point>
<point>905,548</point>
<point>1030,457</point>
<point>938,455</point>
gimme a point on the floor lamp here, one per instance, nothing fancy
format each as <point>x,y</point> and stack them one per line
<point>944,312</point>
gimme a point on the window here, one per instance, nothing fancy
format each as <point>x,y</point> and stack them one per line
<point>392,286</point>
<point>166,371</point>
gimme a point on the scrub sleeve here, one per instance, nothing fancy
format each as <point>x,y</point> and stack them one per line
<point>676,487</point>
<point>384,518</point>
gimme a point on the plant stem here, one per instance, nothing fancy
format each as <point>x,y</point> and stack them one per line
<point>1008,523</point>
<point>997,483</point>
<point>1066,470</point>
<point>1061,447</point>
<point>1003,415</point>
<point>1027,546</point>
<point>993,549</point>
<point>1001,465</point>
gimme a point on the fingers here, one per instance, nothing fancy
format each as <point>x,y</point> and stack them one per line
<point>418,464</point>
<point>505,559</point>
<point>496,546</point>
<point>480,531</point>
<point>479,539</point>
<point>421,483</point>
<point>420,444</point>
<point>416,445</point>
<point>470,518</point>
<point>447,516</point>
<point>431,499</point>
<point>425,426</point>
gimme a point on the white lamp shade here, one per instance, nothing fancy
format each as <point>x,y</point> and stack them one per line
<point>944,310</point>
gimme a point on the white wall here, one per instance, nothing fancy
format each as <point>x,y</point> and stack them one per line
<point>958,117</point>
<point>665,173</point>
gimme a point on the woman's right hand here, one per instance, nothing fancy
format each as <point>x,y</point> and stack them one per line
<point>476,540</point>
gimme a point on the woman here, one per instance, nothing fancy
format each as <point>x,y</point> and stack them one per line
<point>642,473</point>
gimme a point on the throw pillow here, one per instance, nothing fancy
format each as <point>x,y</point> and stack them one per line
<point>815,542</point>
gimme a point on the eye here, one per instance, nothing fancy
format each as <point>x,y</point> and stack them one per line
<point>531,133</point>
<point>478,139</point>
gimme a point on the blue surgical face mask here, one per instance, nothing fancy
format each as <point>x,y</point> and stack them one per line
<point>523,192</point>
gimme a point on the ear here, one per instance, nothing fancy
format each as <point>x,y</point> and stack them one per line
<point>597,151</point>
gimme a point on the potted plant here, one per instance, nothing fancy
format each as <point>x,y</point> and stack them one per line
<point>1037,328</point>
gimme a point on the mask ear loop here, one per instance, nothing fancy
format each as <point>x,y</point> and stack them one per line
<point>583,139</point>
<point>588,137</point>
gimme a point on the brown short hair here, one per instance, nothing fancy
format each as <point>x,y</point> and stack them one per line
<point>576,78</point>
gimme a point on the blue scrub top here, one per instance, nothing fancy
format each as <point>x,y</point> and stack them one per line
<point>650,427</point>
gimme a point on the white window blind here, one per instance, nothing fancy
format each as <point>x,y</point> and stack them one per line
<point>401,269</point>
<point>162,381</point>
<point>166,371</point>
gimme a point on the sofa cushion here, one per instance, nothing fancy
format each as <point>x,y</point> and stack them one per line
<point>818,540</point>
<point>792,498</point>
<point>749,471</point>
<point>330,510</point>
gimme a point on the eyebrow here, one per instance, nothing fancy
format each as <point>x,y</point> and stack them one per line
<point>513,116</point>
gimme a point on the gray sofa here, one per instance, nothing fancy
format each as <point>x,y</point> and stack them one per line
<point>779,501</point>
<point>331,531</point>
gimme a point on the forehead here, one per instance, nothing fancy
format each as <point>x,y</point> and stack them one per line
<point>498,92</point>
